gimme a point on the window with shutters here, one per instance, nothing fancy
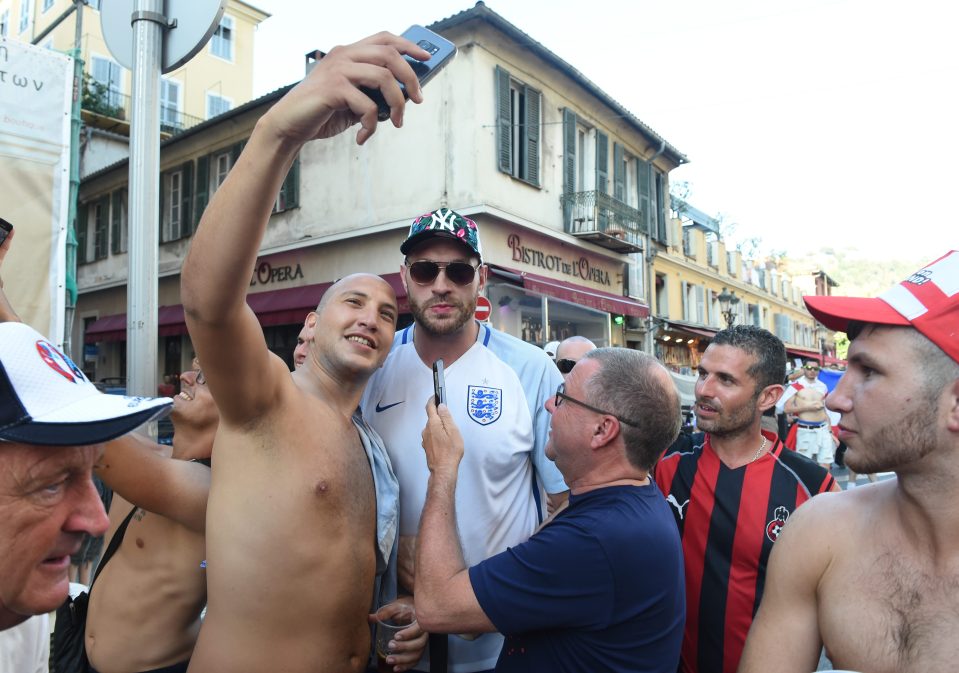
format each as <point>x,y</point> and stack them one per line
<point>217,105</point>
<point>25,7</point>
<point>170,103</point>
<point>47,4</point>
<point>221,44</point>
<point>5,23</point>
<point>101,219</point>
<point>176,202</point>
<point>518,109</point>
<point>109,74</point>
<point>118,222</point>
<point>289,192</point>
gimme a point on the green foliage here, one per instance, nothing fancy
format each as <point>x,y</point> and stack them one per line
<point>842,345</point>
<point>96,98</point>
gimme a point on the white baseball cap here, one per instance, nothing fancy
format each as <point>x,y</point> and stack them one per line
<point>46,399</point>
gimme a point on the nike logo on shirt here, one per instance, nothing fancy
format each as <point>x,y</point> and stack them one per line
<point>380,407</point>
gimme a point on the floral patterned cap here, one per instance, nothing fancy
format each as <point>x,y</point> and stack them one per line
<point>443,222</point>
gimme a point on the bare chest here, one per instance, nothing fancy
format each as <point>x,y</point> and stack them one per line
<point>892,614</point>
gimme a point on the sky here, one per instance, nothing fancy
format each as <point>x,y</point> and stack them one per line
<point>822,123</point>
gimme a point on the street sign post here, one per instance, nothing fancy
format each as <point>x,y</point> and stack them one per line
<point>483,309</point>
<point>148,40</point>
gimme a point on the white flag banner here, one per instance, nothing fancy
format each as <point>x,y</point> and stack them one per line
<point>35,99</point>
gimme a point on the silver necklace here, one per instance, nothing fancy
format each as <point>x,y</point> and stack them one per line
<point>759,451</point>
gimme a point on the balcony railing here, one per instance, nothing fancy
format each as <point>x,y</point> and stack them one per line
<point>604,220</point>
<point>113,104</point>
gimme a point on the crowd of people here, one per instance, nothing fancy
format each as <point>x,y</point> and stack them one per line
<point>548,516</point>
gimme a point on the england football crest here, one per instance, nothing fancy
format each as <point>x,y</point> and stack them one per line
<point>484,405</point>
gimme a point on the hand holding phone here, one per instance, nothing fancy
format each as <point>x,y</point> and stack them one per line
<point>439,383</point>
<point>441,52</point>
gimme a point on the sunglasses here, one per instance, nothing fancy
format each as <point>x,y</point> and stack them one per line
<point>425,272</point>
<point>811,368</point>
<point>561,395</point>
<point>565,366</point>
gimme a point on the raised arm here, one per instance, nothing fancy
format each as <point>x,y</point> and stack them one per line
<point>445,600</point>
<point>244,377</point>
<point>790,604</point>
<point>177,489</point>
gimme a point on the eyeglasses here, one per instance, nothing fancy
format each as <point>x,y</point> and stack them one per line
<point>424,272</point>
<point>561,395</point>
<point>812,368</point>
<point>565,366</point>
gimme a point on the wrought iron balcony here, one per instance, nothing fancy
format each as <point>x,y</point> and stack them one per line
<point>603,220</point>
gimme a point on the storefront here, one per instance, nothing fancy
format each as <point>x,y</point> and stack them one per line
<point>541,289</point>
<point>680,346</point>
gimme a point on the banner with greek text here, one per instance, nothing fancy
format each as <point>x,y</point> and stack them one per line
<point>35,96</point>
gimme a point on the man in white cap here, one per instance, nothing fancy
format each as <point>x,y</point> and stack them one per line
<point>53,421</point>
<point>873,574</point>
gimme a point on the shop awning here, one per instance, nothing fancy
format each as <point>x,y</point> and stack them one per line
<point>804,354</point>
<point>707,332</point>
<point>274,307</point>
<point>576,294</point>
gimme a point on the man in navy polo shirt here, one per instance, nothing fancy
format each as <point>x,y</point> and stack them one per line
<point>600,587</point>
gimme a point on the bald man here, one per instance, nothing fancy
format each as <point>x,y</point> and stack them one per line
<point>569,352</point>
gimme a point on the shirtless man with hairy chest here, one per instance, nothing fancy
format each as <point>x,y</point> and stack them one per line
<point>295,533</point>
<point>873,574</point>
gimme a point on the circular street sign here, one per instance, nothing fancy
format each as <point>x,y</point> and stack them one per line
<point>483,308</point>
<point>196,21</point>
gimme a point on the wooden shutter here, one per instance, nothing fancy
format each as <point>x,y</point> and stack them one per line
<point>186,199</point>
<point>83,212</point>
<point>116,222</point>
<point>685,298</point>
<point>504,122</point>
<point>602,162</point>
<point>201,192</point>
<point>619,173</point>
<point>642,186</point>
<point>163,180</point>
<point>292,184</point>
<point>101,231</point>
<point>531,134</point>
<point>569,151</point>
<point>235,152</point>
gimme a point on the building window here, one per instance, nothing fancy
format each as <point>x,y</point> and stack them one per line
<point>118,222</point>
<point>176,202</point>
<point>25,6</point>
<point>82,228</point>
<point>5,23</point>
<point>289,192</point>
<point>517,127</point>
<point>222,42</point>
<point>216,105</point>
<point>101,231</point>
<point>170,104</point>
<point>108,73</point>
<point>221,168</point>
<point>94,4</point>
<point>662,296</point>
<point>47,4</point>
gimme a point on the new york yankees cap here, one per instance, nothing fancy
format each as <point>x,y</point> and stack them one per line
<point>443,222</point>
<point>927,300</point>
<point>46,399</point>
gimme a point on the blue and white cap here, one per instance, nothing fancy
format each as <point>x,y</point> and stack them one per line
<point>46,399</point>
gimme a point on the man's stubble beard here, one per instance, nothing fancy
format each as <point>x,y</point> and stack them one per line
<point>733,424</point>
<point>465,312</point>
<point>898,442</point>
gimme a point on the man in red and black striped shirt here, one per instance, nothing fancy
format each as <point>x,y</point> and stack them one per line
<point>732,488</point>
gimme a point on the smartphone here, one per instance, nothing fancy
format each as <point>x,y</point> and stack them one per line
<point>441,52</point>
<point>439,383</point>
<point>5,229</point>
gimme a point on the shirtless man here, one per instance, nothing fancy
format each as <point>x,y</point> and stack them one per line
<point>303,339</point>
<point>880,589</point>
<point>814,438</point>
<point>144,611</point>
<point>302,513</point>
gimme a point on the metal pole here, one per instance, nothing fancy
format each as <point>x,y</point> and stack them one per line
<point>144,194</point>
<point>75,124</point>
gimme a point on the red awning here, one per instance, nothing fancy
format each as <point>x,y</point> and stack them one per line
<point>707,332</point>
<point>577,294</point>
<point>274,307</point>
<point>804,354</point>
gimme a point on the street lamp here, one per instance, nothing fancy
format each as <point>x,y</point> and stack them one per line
<point>727,303</point>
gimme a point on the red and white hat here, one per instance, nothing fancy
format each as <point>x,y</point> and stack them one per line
<point>927,300</point>
<point>45,398</point>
